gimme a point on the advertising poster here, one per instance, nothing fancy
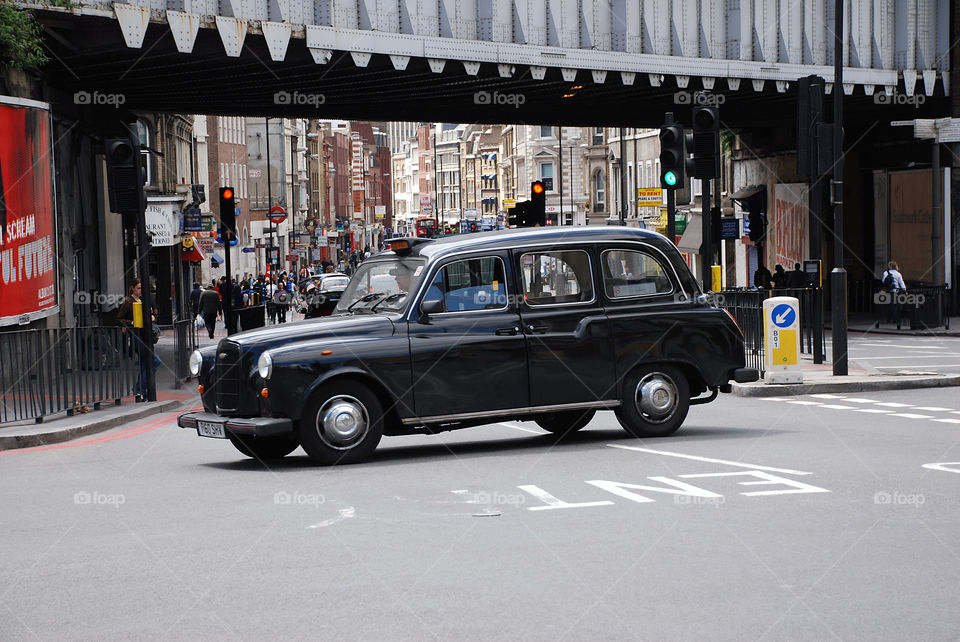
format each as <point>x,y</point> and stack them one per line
<point>28,250</point>
<point>790,224</point>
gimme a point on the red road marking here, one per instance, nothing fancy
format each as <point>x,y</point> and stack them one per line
<point>123,434</point>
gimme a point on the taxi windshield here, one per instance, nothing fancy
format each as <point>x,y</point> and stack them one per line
<point>382,285</point>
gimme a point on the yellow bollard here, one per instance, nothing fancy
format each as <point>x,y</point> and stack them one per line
<point>137,314</point>
<point>715,285</point>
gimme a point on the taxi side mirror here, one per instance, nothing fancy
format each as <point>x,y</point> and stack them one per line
<point>431,306</point>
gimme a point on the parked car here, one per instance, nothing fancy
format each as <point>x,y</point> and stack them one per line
<point>319,295</point>
<point>543,324</point>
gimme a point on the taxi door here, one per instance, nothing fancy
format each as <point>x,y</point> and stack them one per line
<point>569,347</point>
<point>471,356</point>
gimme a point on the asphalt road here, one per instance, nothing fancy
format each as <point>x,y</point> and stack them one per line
<point>777,519</point>
<point>890,354</point>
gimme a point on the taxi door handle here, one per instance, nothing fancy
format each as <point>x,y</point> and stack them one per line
<point>508,331</point>
<point>537,329</point>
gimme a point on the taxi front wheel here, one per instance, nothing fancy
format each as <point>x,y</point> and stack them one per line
<point>566,422</point>
<point>655,401</point>
<point>341,424</point>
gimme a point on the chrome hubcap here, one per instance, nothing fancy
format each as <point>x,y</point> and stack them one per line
<point>656,397</point>
<point>342,422</point>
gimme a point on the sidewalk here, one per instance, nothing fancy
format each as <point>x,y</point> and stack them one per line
<point>60,428</point>
<point>868,324</point>
<point>818,378</point>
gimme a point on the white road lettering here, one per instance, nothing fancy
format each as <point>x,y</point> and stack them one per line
<point>553,502</point>
<point>766,479</point>
<point>679,488</point>
<point>710,460</point>
<point>893,404</point>
<point>948,421</point>
<point>834,406</point>
<point>910,415</point>
<point>801,402</point>
<point>873,410</point>
<point>945,466</point>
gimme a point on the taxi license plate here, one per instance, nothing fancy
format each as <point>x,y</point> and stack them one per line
<point>210,429</point>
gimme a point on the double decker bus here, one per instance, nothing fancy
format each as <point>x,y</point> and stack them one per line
<point>426,227</point>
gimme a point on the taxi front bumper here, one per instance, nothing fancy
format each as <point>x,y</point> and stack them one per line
<point>248,426</point>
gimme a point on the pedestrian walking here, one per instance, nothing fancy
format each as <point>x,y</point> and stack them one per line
<point>797,278</point>
<point>762,278</point>
<point>210,309</point>
<point>779,278</point>
<point>892,283</point>
<point>270,291</point>
<point>195,298</point>
<point>125,318</point>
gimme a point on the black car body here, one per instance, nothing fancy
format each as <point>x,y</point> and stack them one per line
<point>319,295</point>
<point>543,324</point>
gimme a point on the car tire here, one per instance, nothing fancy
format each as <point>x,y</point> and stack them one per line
<point>655,401</point>
<point>566,422</point>
<point>261,448</point>
<point>341,424</point>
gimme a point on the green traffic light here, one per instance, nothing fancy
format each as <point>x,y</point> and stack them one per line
<point>670,178</point>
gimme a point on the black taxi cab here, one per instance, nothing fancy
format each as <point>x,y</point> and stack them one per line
<point>542,324</point>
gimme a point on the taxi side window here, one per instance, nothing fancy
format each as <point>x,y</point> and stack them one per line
<point>556,277</point>
<point>471,284</point>
<point>629,273</point>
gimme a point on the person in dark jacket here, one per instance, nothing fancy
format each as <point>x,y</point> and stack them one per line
<point>125,318</point>
<point>797,279</point>
<point>210,309</point>
<point>195,298</point>
<point>779,278</point>
<point>761,278</point>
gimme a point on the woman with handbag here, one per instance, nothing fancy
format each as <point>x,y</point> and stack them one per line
<point>125,318</point>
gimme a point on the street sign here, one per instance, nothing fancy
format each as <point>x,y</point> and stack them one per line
<point>277,215</point>
<point>248,250</point>
<point>471,213</point>
<point>509,203</point>
<point>380,211</point>
<point>310,224</point>
<point>729,228</point>
<point>649,196</point>
<point>426,209</point>
<point>192,220</point>
<point>358,214</point>
<point>781,336</point>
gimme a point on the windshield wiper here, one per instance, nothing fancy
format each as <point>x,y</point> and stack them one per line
<point>395,295</point>
<point>366,297</point>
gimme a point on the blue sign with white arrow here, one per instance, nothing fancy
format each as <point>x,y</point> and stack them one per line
<point>784,315</point>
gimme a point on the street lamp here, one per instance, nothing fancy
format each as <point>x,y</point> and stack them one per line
<point>573,141</point>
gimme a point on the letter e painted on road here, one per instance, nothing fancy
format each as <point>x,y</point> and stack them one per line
<point>767,480</point>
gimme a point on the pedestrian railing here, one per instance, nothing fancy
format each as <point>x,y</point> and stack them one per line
<point>184,343</point>
<point>48,371</point>
<point>746,306</point>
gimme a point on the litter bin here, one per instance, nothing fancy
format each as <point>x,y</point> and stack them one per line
<point>252,317</point>
<point>929,312</point>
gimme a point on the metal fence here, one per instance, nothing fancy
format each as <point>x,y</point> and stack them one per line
<point>746,306</point>
<point>43,372</point>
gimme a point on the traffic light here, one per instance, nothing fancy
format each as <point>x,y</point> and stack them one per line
<point>706,142</point>
<point>537,212</point>
<point>228,211</point>
<point>672,157</point>
<point>125,178</point>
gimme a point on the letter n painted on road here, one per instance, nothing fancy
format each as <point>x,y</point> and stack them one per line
<point>679,488</point>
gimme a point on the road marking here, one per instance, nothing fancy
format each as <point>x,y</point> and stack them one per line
<point>710,460</point>
<point>920,365</point>
<point>955,412</point>
<point>342,514</point>
<point>938,355</point>
<point>930,408</point>
<point>834,406</point>
<point>854,400</point>
<point>943,466</point>
<point>909,415</point>
<point>773,398</point>
<point>893,404</point>
<point>826,396</point>
<point>806,403</point>
<point>553,502</point>
<point>535,432</point>
<point>766,480</point>
<point>948,421</point>
<point>873,410</point>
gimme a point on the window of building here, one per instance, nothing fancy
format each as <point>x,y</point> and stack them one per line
<point>556,277</point>
<point>546,131</point>
<point>546,174</point>
<point>598,135</point>
<point>629,273</point>
<point>599,191</point>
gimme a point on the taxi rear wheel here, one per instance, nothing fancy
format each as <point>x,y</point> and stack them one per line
<point>655,401</point>
<point>565,422</point>
<point>341,424</point>
<point>264,447</point>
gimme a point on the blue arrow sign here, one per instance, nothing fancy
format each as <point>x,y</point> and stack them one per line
<point>784,315</point>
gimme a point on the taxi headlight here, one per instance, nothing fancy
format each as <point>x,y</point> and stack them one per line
<point>196,360</point>
<point>265,365</point>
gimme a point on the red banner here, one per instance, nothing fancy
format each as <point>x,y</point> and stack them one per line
<point>28,258</point>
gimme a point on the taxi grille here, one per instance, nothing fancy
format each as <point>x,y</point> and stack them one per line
<point>229,377</point>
